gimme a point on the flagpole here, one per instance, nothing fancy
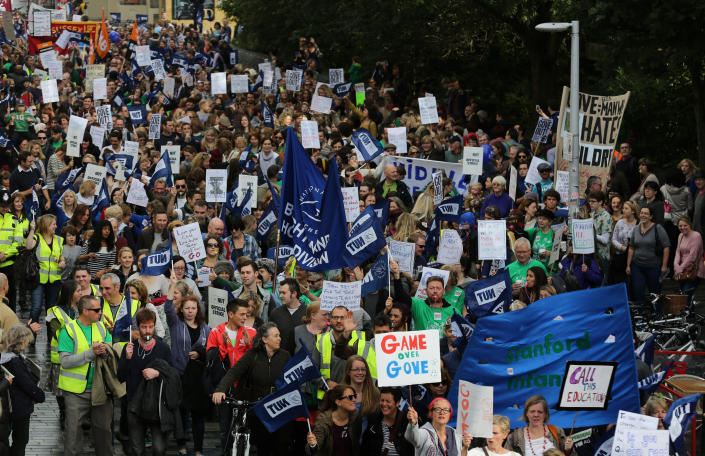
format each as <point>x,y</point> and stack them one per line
<point>389,273</point>
<point>276,259</point>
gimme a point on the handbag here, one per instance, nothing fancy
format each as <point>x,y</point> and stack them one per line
<point>28,266</point>
<point>689,274</point>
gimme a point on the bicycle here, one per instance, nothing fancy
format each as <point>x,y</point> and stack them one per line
<point>239,430</point>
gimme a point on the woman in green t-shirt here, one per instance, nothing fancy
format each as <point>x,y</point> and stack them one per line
<point>542,237</point>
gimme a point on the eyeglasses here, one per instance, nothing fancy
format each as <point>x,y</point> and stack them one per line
<point>212,245</point>
<point>350,397</point>
<point>592,201</point>
<point>179,269</point>
<point>339,317</point>
<point>96,310</point>
<point>358,369</point>
<point>42,138</point>
<point>441,410</point>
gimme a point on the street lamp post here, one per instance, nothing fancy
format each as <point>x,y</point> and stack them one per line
<point>574,179</point>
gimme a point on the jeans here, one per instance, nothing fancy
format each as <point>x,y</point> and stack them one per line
<point>689,287</point>
<point>225,415</point>
<point>645,277</point>
<point>138,428</point>
<point>51,291</point>
<point>198,427</point>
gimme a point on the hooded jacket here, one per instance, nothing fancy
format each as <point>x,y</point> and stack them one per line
<point>181,340</point>
<point>680,198</point>
<point>24,392</point>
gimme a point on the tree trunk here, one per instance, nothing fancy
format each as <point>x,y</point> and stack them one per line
<point>699,111</point>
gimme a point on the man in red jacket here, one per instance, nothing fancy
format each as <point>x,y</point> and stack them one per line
<point>228,342</point>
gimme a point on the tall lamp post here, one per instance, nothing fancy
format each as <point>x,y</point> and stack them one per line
<point>574,179</point>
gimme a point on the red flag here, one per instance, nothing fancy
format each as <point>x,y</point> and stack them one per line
<point>102,40</point>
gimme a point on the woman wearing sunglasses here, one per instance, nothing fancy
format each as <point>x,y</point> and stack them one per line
<point>338,426</point>
<point>436,437</point>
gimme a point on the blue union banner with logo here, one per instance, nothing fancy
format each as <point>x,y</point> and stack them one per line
<point>523,353</point>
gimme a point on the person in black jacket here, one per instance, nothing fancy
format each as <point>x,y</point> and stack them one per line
<point>392,185</point>
<point>288,316</point>
<point>385,429</point>
<point>136,368</point>
<point>256,373</point>
<point>24,392</point>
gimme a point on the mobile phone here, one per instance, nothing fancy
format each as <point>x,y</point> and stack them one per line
<point>538,108</point>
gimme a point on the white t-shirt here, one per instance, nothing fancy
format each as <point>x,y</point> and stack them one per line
<point>231,334</point>
<point>536,447</point>
<point>480,452</point>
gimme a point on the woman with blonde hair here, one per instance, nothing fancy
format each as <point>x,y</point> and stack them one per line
<point>500,431</point>
<point>656,407</point>
<point>423,209</point>
<point>86,192</point>
<point>686,166</point>
<point>255,307</point>
<point>537,436</point>
<point>357,375</point>
<point>406,225</point>
<point>50,249</point>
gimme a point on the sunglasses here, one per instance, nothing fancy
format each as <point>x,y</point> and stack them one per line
<point>96,310</point>
<point>212,245</point>
<point>180,186</point>
<point>350,397</point>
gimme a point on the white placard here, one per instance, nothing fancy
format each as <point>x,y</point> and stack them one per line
<point>267,78</point>
<point>155,126</point>
<point>142,56</point>
<point>245,182</point>
<point>341,294</point>
<point>626,422</point>
<point>428,110</point>
<point>427,272</point>
<point>543,128</point>
<point>105,116</point>
<point>204,276</point>
<point>359,87</point>
<point>492,239</point>
<point>93,72</point>
<point>533,176</point>
<point>158,69</point>
<point>95,174</point>
<point>219,84</point>
<point>132,148</point>
<point>351,202</point>
<point>513,180</point>
<point>100,89</point>
<point>174,157</point>
<point>475,408</point>
<point>74,136</point>
<point>64,39</point>
<point>77,18</point>
<point>437,188</point>
<point>472,161</point>
<point>582,231</point>
<point>403,254</point>
<point>563,184</point>
<point>586,385</point>
<point>42,23</point>
<point>137,195</point>
<point>239,83</point>
<point>216,185</point>
<point>56,70</point>
<point>189,241</point>
<point>50,91</point>
<point>321,104</point>
<point>309,134</point>
<point>97,135</point>
<point>408,358</point>
<point>217,306</point>
<point>336,76</point>
<point>47,57</point>
<point>293,80</point>
<point>397,136</point>
<point>450,248</point>
<point>169,84</point>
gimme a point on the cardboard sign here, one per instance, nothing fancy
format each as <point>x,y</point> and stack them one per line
<point>95,174</point>
<point>492,239</point>
<point>513,179</point>
<point>587,385</point>
<point>341,294</point>
<point>293,80</point>
<point>408,358</point>
<point>336,76</point>
<point>309,134</point>
<point>217,306</point>
<point>351,202</point>
<point>628,422</point>
<point>56,70</point>
<point>105,116</point>
<point>437,188</point>
<point>50,91</point>
<point>204,276</point>
<point>562,184</point>
<point>450,248</point>
<point>403,254</point>
<point>472,161</point>
<point>543,128</point>
<point>397,136</point>
<point>174,157</point>
<point>93,72</point>
<point>169,84</point>
<point>321,104</point>
<point>137,195</point>
<point>132,148</point>
<point>189,241</point>
<point>219,85</point>
<point>246,182</point>
<point>239,83</point>
<point>428,110</point>
<point>42,23</point>
<point>100,88</point>
<point>7,25</point>
<point>583,236</point>
<point>427,272</point>
<point>97,135</point>
<point>474,409</point>
<point>155,126</point>
<point>158,69</point>
<point>533,176</point>
<point>216,185</point>
<point>74,136</point>
<point>142,56</point>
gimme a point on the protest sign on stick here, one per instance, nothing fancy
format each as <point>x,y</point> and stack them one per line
<point>492,239</point>
<point>189,241</point>
<point>587,385</point>
<point>428,110</point>
<point>403,254</point>
<point>341,294</point>
<point>351,202</point>
<point>217,306</point>
<point>475,409</point>
<point>583,236</point>
<point>427,272</point>
<point>472,161</point>
<point>408,358</point>
<point>216,188</point>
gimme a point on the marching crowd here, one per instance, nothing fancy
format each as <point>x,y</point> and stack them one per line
<point>168,372</point>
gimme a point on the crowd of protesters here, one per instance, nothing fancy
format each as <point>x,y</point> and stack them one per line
<point>648,226</point>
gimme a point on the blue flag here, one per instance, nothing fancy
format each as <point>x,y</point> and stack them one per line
<point>31,206</point>
<point>603,447</point>
<point>281,407</point>
<point>524,353</point>
<point>285,251</point>
<point>368,146</point>
<point>267,223</point>
<point>247,163</point>
<point>678,419</point>
<point>377,277</point>
<point>420,401</point>
<point>342,89</point>
<point>231,205</point>
<point>158,262</point>
<point>5,141</point>
<point>298,370</point>
<point>489,296</point>
<point>123,320</point>
<point>450,209</point>
<point>141,18</point>
<point>306,199</point>
<point>645,351</point>
<point>650,383</point>
<point>126,160</point>
<point>66,179</point>
<point>462,330</point>
<point>162,171</point>
<point>115,16</point>
<point>138,114</point>
<point>102,200</point>
<point>381,208</point>
<point>258,81</point>
<point>267,116</point>
<point>365,239</point>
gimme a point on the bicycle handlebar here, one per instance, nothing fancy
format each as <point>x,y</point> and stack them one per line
<point>232,402</point>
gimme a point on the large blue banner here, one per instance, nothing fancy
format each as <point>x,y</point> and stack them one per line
<point>312,218</point>
<point>523,353</point>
